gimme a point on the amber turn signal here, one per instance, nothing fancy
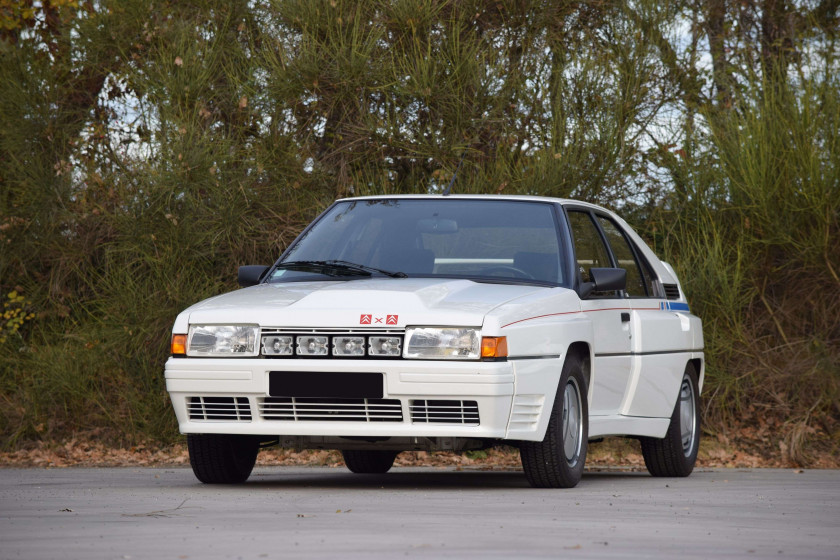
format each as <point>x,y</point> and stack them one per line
<point>179,344</point>
<point>494,347</point>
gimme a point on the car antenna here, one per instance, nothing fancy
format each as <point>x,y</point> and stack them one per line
<point>452,182</point>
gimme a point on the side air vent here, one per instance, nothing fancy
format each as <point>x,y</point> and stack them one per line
<point>444,412</point>
<point>229,409</point>
<point>672,291</point>
<point>526,411</point>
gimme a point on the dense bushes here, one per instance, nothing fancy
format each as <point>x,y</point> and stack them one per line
<point>149,148</point>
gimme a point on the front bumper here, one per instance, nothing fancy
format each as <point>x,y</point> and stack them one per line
<point>411,390</point>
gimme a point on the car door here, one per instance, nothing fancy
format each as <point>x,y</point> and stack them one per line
<point>662,334</point>
<point>610,316</point>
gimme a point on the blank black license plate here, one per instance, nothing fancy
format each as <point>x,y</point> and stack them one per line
<point>325,385</point>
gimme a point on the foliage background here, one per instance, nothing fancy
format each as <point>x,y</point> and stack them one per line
<point>148,148</point>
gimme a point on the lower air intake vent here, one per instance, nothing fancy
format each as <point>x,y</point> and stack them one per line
<point>444,412</point>
<point>231,409</point>
<point>301,409</point>
<point>672,291</point>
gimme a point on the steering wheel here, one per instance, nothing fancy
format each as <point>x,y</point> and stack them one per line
<point>511,271</point>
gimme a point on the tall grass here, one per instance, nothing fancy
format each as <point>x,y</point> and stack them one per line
<point>224,127</point>
<point>759,257</point>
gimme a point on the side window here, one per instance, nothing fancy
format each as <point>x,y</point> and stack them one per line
<point>589,247</point>
<point>638,282</point>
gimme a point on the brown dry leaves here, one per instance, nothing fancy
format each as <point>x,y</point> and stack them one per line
<point>735,451</point>
<point>75,453</point>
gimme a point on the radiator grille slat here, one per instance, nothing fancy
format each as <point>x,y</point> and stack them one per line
<point>444,412</point>
<point>219,408</point>
<point>301,409</point>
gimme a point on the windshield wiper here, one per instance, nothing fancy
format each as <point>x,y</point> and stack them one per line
<point>339,268</point>
<point>323,267</point>
<point>348,264</point>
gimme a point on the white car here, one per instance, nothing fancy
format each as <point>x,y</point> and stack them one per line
<point>398,323</point>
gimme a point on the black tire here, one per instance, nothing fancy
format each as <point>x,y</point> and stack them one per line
<point>372,461</point>
<point>675,454</point>
<point>550,463</point>
<point>222,458</point>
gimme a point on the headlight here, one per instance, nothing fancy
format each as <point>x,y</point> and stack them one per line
<point>441,343</point>
<point>231,341</point>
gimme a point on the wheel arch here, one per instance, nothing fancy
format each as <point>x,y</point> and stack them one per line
<point>700,370</point>
<point>540,379</point>
<point>583,350</point>
<point>697,363</point>
<point>555,461</point>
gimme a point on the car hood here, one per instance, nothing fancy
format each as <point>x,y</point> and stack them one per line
<point>374,302</point>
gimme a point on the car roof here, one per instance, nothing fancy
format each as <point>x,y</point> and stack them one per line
<point>479,197</point>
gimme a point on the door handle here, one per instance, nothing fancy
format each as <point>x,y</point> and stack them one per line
<point>625,317</point>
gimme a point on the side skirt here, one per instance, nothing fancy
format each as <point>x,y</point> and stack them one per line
<point>620,425</point>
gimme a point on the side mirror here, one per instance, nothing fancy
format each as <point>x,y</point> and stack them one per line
<point>250,275</point>
<point>604,280</point>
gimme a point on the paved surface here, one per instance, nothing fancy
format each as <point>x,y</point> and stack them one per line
<point>285,512</point>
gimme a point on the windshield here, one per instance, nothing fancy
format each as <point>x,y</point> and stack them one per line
<point>482,240</point>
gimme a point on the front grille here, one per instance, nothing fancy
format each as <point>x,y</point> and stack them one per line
<point>284,343</point>
<point>230,409</point>
<point>444,412</point>
<point>305,409</point>
<point>672,291</point>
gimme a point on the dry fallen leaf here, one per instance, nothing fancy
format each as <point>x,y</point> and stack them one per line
<point>87,450</point>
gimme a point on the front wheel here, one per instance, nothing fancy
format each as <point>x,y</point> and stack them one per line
<point>222,458</point>
<point>675,454</point>
<point>557,461</point>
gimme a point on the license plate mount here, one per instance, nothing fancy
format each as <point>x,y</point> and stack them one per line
<point>329,385</point>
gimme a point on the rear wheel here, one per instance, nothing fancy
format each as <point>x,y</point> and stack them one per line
<point>372,461</point>
<point>222,458</point>
<point>676,453</point>
<point>557,461</point>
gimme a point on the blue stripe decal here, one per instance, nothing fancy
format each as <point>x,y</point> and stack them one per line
<point>673,306</point>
